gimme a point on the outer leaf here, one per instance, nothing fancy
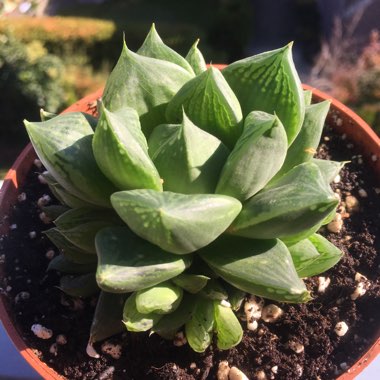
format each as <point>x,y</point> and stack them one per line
<point>210,104</point>
<point>121,151</point>
<point>329,169</point>
<point>228,328</point>
<point>79,286</point>
<point>177,223</point>
<point>135,321</point>
<point>80,226</point>
<point>54,211</point>
<point>195,58</point>
<point>214,291</point>
<point>188,150</point>
<point>192,283</point>
<point>257,156</point>
<point>169,324</point>
<point>305,145</point>
<point>145,84</point>
<point>62,194</point>
<point>163,298</point>
<point>296,238</point>
<point>199,328</point>
<point>62,264</point>
<point>235,296</point>
<point>107,321</point>
<point>296,202</point>
<point>329,255</point>
<point>261,267</point>
<point>269,82</point>
<point>308,96</point>
<point>154,47</point>
<point>128,263</point>
<point>303,254</point>
<point>69,250</point>
<point>63,144</point>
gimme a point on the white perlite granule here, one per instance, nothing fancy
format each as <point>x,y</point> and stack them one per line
<point>341,328</point>
<point>323,284</point>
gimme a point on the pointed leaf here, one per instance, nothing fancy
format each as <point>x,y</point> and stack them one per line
<point>214,291</point>
<point>169,324</point>
<point>163,298</point>
<point>63,144</point>
<point>228,329</point>
<point>196,60</point>
<point>199,328</point>
<point>329,255</point>
<point>121,151</point>
<point>269,82</point>
<point>62,264</point>
<point>304,234</point>
<point>235,296</point>
<point>329,169</point>
<point>257,156</point>
<point>44,115</point>
<point>135,321</point>
<point>107,317</point>
<point>261,267</point>
<point>210,104</point>
<point>69,250</point>
<point>62,194</point>
<point>128,263</point>
<point>154,47</point>
<point>177,223</point>
<point>54,211</point>
<point>79,286</point>
<point>296,202</point>
<point>305,145</point>
<point>308,96</point>
<point>192,283</point>
<point>145,84</point>
<point>303,254</point>
<point>188,150</point>
<point>81,225</point>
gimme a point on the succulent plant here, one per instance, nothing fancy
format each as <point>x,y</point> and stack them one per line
<point>194,187</point>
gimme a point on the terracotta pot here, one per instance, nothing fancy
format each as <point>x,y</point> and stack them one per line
<point>340,117</point>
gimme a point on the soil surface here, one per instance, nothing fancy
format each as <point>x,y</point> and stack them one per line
<point>35,298</point>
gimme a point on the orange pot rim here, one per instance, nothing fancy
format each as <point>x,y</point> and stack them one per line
<point>360,133</point>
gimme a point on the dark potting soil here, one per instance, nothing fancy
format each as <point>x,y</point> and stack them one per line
<point>325,354</point>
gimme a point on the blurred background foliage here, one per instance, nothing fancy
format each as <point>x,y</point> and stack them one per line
<point>54,52</point>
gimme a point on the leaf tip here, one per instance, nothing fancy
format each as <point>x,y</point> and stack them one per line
<point>195,45</point>
<point>290,45</point>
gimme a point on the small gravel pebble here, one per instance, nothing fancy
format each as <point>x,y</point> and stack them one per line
<point>179,339</point>
<point>21,197</point>
<point>41,332</point>
<point>61,339</point>
<point>271,313</point>
<point>223,370</point>
<point>114,350</point>
<point>336,224</point>
<point>236,374</point>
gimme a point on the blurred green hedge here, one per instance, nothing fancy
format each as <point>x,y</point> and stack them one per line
<point>29,79</point>
<point>80,40</point>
